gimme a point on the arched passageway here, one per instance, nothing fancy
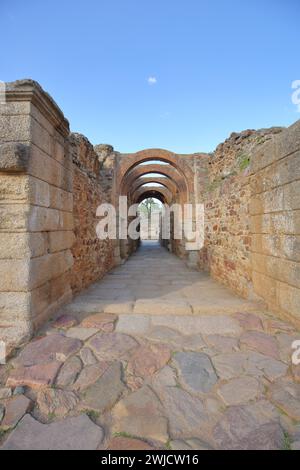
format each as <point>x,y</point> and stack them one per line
<point>166,176</point>
<point>117,340</point>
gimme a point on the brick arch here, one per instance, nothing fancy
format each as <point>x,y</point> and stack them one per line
<point>166,182</point>
<point>158,194</point>
<point>164,170</point>
<point>128,162</point>
<point>151,191</point>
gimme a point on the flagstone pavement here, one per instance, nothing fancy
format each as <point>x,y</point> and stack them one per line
<point>154,356</point>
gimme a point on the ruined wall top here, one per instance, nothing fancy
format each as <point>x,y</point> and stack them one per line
<point>31,91</point>
<point>233,155</point>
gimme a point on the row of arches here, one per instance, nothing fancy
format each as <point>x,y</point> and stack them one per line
<point>159,174</point>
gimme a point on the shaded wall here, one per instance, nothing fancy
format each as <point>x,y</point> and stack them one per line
<point>92,257</point>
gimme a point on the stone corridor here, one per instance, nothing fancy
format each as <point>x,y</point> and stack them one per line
<point>112,345</point>
<point>154,356</point>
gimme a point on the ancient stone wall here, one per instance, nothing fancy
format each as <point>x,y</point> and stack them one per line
<point>36,220</point>
<point>227,218</point>
<point>92,257</point>
<point>275,221</point>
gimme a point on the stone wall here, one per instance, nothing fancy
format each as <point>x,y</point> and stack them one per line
<point>252,217</point>
<point>36,204</point>
<point>92,257</point>
<point>227,218</point>
<point>275,221</point>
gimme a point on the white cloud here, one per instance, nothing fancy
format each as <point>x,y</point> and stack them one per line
<point>152,80</point>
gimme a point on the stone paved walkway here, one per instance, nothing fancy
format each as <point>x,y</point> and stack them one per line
<point>154,356</point>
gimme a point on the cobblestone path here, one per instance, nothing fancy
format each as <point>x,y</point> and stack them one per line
<point>154,356</point>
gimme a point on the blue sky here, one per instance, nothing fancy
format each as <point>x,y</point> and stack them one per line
<point>216,66</point>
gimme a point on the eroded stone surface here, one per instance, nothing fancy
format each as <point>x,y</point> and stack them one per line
<point>222,344</point>
<point>248,321</point>
<point>36,376</point>
<point>69,372</point>
<point>101,321</point>
<point>236,364</point>
<point>190,444</point>
<point>87,357</point>
<point>15,409</point>
<point>111,345</point>
<point>132,414</point>
<point>133,324</point>
<point>56,402</point>
<point>146,360</point>
<point>260,342</point>
<point>196,371</point>
<point>78,433</point>
<point>89,375</point>
<point>5,392</point>
<point>143,402</point>
<point>186,414</point>
<point>166,377</point>
<point>286,395</point>
<point>166,335</point>
<point>81,333</point>
<point>246,427</point>
<point>106,391</point>
<point>2,410</point>
<point>145,427</point>
<point>65,321</point>
<point>126,443</point>
<point>240,390</point>
<point>54,347</point>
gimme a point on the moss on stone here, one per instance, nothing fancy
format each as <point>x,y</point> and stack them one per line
<point>243,161</point>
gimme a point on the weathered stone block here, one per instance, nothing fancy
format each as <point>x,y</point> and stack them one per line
<point>14,157</point>
<point>292,195</point>
<point>14,245</point>
<point>62,240</point>
<point>42,166</point>
<point>40,299</point>
<point>42,120</point>
<point>287,223</point>
<point>14,275</point>
<point>288,141</point>
<point>59,152</point>
<point>60,286</point>
<point>283,270</point>
<point>14,305</point>
<point>60,199</point>
<point>279,173</point>
<point>14,217</point>
<point>41,137</point>
<point>264,286</point>
<point>42,219</point>
<point>39,192</point>
<point>14,188</point>
<point>263,155</point>
<point>288,298</point>
<point>50,266</point>
<point>15,128</point>
<point>11,108</point>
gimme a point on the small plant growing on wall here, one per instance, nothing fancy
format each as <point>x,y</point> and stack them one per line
<point>243,161</point>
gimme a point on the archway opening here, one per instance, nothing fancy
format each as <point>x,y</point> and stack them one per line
<point>150,210</point>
